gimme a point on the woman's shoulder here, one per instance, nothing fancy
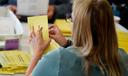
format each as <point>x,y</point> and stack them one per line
<point>123,57</point>
<point>67,59</point>
<point>69,54</point>
<point>70,58</point>
<point>65,51</point>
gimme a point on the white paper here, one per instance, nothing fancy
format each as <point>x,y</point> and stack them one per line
<point>32,7</point>
<point>6,25</point>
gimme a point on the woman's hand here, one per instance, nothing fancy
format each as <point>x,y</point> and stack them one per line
<point>38,42</point>
<point>39,45</point>
<point>57,35</point>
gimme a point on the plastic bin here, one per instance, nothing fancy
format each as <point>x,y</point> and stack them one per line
<point>4,12</point>
<point>18,30</point>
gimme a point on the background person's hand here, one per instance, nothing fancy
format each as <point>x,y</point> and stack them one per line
<point>38,42</point>
<point>56,34</point>
<point>13,8</point>
<point>51,10</point>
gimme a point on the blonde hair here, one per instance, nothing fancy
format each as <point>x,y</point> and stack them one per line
<point>94,31</point>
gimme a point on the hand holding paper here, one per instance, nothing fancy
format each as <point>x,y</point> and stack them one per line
<point>39,44</point>
<point>56,34</point>
<point>43,22</point>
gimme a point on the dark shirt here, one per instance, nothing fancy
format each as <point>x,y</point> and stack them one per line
<point>8,2</point>
<point>62,7</point>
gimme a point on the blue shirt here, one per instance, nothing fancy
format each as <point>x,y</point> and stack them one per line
<point>64,62</point>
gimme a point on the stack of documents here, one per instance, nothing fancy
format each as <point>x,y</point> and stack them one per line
<point>42,21</point>
<point>64,26</point>
<point>14,61</point>
<point>122,34</point>
<point>123,40</point>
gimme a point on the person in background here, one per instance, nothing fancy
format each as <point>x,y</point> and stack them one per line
<point>94,48</point>
<point>2,2</point>
<point>120,9</point>
<point>57,8</point>
<point>7,2</point>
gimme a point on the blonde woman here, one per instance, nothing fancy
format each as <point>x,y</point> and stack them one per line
<point>94,51</point>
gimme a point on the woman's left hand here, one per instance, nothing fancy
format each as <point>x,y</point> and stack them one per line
<point>38,42</point>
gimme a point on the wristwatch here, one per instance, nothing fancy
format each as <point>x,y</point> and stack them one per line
<point>69,43</point>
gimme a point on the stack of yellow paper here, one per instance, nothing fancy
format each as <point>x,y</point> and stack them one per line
<point>14,61</point>
<point>42,21</point>
<point>122,38</point>
<point>64,26</point>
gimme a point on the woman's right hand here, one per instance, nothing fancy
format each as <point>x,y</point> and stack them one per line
<point>56,34</point>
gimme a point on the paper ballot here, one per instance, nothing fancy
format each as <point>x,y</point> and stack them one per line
<point>32,7</point>
<point>42,21</point>
<point>14,61</point>
<point>64,26</point>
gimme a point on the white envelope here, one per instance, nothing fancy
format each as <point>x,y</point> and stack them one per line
<point>32,7</point>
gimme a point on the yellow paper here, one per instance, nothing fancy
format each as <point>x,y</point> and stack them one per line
<point>41,21</point>
<point>64,26</point>
<point>123,40</point>
<point>2,71</point>
<point>53,46</point>
<point>14,61</point>
<point>67,34</point>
